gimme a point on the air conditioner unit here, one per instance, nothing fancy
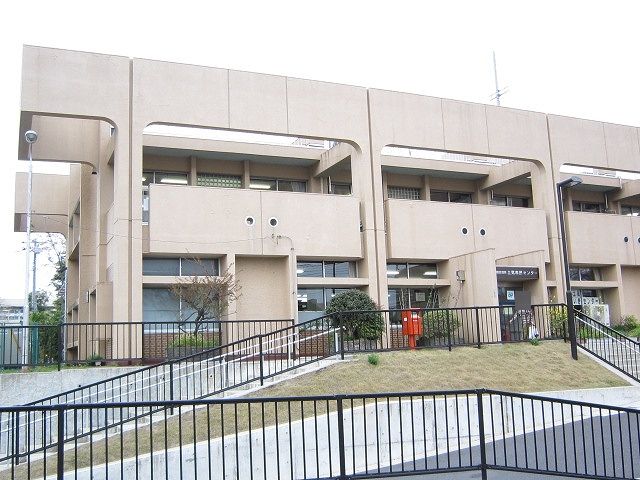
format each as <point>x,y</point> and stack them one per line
<point>598,312</point>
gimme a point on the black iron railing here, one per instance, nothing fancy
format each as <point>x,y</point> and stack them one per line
<point>121,343</point>
<point>333,436</point>
<point>453,327</point>
<point>609,345</point>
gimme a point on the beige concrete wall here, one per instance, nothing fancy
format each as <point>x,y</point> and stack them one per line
<point>596,238</point>
<point>70,96</point>
<point>631,282</point>
<point>49,203</point>
<point>212,221</point>
<point>265,293</point>
<point>433,230</point>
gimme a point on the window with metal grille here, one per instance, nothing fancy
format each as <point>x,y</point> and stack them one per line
<point>404,193</point>
<point>215,180</point>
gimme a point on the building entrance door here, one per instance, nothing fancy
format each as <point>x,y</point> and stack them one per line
<point>510,326</point>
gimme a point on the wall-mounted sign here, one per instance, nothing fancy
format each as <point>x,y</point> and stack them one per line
<point>517,273</point>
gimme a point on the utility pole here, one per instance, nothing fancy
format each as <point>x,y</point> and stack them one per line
<point>36,250</point>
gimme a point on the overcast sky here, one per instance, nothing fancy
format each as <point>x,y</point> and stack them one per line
<point>576,58</point>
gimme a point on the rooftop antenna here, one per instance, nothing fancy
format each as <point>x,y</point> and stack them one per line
<point>499,93</point>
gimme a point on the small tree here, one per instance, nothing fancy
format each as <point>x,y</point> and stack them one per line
<point>208,296</point>
<point>364,322</point>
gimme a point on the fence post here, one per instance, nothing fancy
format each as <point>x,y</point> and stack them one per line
<point>17,437</point>
<point>60,463</point>
<point>478,325</point>
<point>483,446</point>
<point>171,386</point>
<point>60,345</point>
<point>261,361</point>
<point>448,329</point>
<point>340,412</point>
<point>341,324</point>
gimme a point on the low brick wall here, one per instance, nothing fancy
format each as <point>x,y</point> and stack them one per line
<point>154,345</point>
<point>314,343</point>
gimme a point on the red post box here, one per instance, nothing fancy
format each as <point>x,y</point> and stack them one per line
<point>412,325</point>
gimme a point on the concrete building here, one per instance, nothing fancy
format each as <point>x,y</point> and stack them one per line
<point>303,188</point>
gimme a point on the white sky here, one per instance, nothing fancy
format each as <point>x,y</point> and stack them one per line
<point>577,58</point>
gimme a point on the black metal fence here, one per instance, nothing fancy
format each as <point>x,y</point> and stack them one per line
<point>138,342</point>
<point>328,437</point>
<point>454,327</point>
<point>609,345</point>
<point>121,343</point>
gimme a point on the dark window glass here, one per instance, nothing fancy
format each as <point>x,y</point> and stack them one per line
<point>147,178</point>
<point>438,196</point>
<point>397,270</point>
<point>499,200</point>
<point>423,270</point>
<point>161,266</point>
<point>262,184</point>
<point>630,210</point>
<point>341,188</point>
<point>460,197</point>
<point>292,186</point>
<point>311,300</point>
<point>309,269</point>
<point>587,275</point>
<point>519,202</point>
<point>329,293</point>
<point>592,207</point>
<point>159,305</point>
<point>202,267</point>
<point>574,273</point>
<point>339,269</point>
<point>171,178</point>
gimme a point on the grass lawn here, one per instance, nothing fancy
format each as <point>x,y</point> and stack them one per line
<point>512,367</point>
<point>515,367</point>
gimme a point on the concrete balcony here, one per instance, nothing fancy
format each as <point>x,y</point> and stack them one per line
<point>598,239</point>
<point>419,229</point>
<point>203,220</point>
<point>50,203</point>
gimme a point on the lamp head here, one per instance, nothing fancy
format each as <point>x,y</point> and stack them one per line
<point>570,182</point>
<point>31,136</point>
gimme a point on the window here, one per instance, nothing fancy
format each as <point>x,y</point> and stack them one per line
<point>326,269</point>
<point>282,185</point>
<point>403,193</point>
<point>340,188</point>
<point>180,266</point>
<point>216,180</point>
<point>312,302</point>
<point>584,274</point>
<point>167,178</point>
<point>400,298</point>
<point>630,210</point>
<point>589,207</point>
<point>507,201</point>
<point>160,305</point>
<point>453,197</point>
<point>412,270</point>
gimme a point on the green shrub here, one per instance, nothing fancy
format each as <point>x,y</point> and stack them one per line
<point>94,358</point>
<point>558,319</point>
<point>364,322</point>
<point>630,322</point>
<point>535,342</point>
<point>49,337</point>
<point>435,324</point>
<point>373,359</point>
<point>195,340</point>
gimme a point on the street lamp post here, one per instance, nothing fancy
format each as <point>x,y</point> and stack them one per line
<point>30,137</point>
<point>571,321</point>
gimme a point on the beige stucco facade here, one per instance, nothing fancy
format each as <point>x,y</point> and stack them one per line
<point>93,111</point>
